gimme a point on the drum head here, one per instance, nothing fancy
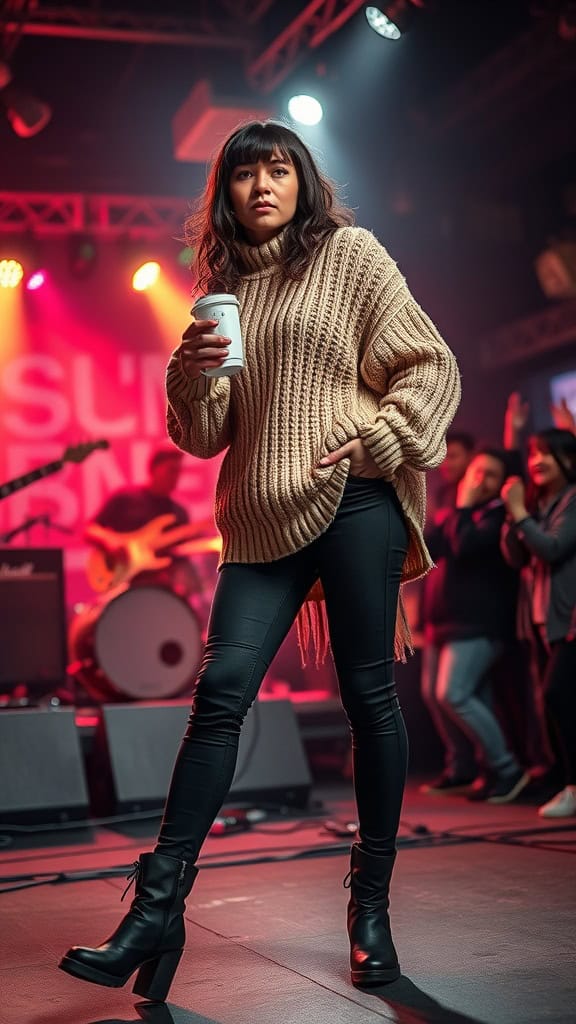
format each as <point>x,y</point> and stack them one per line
<point>148,643</point>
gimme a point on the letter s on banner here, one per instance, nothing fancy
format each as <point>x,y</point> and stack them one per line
<point>23,381</point>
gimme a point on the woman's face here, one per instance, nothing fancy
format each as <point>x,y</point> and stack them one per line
<point>264,196</point>
<point>543,469</point>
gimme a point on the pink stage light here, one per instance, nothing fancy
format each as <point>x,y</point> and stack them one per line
<point>36,280</point>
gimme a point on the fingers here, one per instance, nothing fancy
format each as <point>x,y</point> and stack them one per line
<point>200,349</point>
<point>198,327</point>
<point>335,456</point>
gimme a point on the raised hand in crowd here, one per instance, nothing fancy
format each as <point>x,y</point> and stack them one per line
<point>562,416</point>
<point>515,420</point>
<point>471,488</point>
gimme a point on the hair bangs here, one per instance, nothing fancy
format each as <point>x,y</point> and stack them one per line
<point>257,142</point>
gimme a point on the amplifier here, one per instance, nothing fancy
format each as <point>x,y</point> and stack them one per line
<point>32,617</point>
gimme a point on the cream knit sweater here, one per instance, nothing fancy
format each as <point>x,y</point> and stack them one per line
<point>344,353</point>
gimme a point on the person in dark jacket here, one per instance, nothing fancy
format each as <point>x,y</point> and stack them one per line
<point>469,618</point>
<point>539,536</point>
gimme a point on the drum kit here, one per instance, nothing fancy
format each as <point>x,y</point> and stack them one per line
<point>142,638</point>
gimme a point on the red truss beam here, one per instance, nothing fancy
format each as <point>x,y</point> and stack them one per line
<point>247,10</point>
<point>320,19</point>
<point>44,214</point>
<point>121,26</point>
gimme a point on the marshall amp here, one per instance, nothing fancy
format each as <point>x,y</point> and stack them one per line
<point>32,618</point>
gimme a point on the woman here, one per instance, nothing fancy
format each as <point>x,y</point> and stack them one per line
<point>344,400</point>
<point>543,542</point>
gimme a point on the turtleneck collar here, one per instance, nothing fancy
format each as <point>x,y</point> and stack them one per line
<point>262,258</point>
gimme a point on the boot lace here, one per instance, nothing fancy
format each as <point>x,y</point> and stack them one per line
<point>348,880</point>
<point>132,877</point>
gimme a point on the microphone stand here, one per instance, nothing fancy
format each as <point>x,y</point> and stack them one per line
<point>45,519</point>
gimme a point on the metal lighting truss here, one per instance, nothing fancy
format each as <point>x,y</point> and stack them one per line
<point>320,19</point>
<point>49,214</point>
<point>20,19</point>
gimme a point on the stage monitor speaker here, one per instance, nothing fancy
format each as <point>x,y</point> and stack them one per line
<point>142,741</point>
<point>32,618</point>
<point>41,767</point>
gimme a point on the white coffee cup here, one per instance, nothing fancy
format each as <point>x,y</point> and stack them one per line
<point>224,309</point>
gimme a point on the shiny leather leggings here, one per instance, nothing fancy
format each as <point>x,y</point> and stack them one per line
<point>359,561</point>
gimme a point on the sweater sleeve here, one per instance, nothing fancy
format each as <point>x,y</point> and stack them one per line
<point>198,415</point>
<point>406,361</point>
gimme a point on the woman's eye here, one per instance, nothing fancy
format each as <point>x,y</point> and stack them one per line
<point>241,175</point>
<point>280,170</point>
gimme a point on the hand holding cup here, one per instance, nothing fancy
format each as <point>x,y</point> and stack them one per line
<point>200,350</point>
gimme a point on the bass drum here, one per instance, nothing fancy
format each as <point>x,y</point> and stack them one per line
<point>144,644</point>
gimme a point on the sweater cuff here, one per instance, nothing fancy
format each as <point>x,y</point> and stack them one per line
<point>384,447</point>
<point>180,385</point>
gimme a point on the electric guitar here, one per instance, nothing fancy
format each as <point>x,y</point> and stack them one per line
<point>116,557</point>
<point>74,453</point>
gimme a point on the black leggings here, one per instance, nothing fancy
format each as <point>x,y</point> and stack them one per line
<point>359,561</point>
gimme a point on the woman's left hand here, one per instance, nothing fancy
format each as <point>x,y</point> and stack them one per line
<point>513,495</point>
<point>361,462</point>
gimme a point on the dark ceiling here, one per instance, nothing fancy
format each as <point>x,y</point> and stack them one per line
<point>484,90</point>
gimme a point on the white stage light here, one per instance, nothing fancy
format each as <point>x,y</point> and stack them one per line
<point>381,24</point>
<point>305,110</point>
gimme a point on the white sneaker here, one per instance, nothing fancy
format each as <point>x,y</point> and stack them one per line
<point>563,805</point>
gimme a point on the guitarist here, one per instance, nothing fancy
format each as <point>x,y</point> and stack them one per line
<point>132,508</point>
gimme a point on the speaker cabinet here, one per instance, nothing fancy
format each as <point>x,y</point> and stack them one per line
<point>141,742</point>
<point>32,618</point>
<point>41,767</point>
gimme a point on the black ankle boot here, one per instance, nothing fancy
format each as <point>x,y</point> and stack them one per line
<point>150,939</point>
<point>373,959</point>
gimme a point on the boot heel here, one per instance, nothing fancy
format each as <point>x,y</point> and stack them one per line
<point>154,978</point>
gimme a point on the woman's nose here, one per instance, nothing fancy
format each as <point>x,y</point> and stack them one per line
<point>261,183</point>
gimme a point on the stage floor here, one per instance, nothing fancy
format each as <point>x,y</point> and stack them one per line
<point>484,921</point>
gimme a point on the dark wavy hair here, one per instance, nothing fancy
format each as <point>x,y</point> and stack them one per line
<point>215,235</point>
<point>561,444</point>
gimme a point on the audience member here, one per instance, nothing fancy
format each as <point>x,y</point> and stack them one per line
<point>539,536</point>
<point>469,617</point>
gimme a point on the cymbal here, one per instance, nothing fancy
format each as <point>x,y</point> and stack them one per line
<point>200,546</point>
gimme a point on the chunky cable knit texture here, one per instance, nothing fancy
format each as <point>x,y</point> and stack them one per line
<point>344,353</point>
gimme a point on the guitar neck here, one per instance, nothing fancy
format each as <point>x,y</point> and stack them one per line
<point>29,478</point>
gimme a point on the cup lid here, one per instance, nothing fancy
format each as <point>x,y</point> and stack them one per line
<point>215,299</point>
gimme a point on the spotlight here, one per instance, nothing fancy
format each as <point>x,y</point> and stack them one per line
<point>381,24</point>
<point>11,273</point>
<point>394,19</point>
<point>305,110</point>
<point>26,114</point>
<point>36,280</point>
<point>145,276</point>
